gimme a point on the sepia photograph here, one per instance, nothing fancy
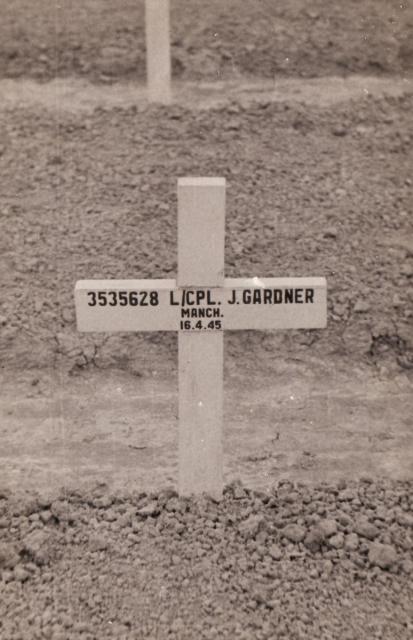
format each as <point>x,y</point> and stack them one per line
<point>206,320</point>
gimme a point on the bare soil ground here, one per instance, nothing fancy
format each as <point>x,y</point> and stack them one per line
<point>104,41</point>
<point>348,387</point>
<point>314,535</point>
<point>112,428</point>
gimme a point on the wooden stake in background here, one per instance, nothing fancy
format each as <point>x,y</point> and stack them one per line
<point>158,55</point>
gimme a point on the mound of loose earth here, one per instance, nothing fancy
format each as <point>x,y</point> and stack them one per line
<point>327,561</point>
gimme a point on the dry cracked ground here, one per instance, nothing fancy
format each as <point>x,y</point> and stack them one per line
<point>313,537</point>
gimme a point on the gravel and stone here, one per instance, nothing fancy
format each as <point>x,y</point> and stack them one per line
<point>296,561</point>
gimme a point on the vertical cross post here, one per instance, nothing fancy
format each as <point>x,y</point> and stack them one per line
<point>201,241</point>
<point>158,56</point>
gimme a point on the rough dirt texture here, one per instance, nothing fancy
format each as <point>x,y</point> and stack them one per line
<point>293,563</point>
<point>318,184</point>
<point>334,183</point>
<point>104,40</point>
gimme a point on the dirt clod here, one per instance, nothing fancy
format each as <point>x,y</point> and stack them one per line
<point>383,555</point>
<point>9,557</point>
<point>366,529</point>
<point>294,533</point>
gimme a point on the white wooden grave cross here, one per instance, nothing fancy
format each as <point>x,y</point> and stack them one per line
<point>158,51</point>
<point>200,304</point>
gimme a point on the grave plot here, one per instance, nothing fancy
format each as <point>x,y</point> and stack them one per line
<point>100,209</point>
<point>311,534</point>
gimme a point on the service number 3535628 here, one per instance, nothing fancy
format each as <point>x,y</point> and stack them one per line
<point>123,298</point>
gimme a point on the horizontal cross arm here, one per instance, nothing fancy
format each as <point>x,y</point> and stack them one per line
<point>160,305</point>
